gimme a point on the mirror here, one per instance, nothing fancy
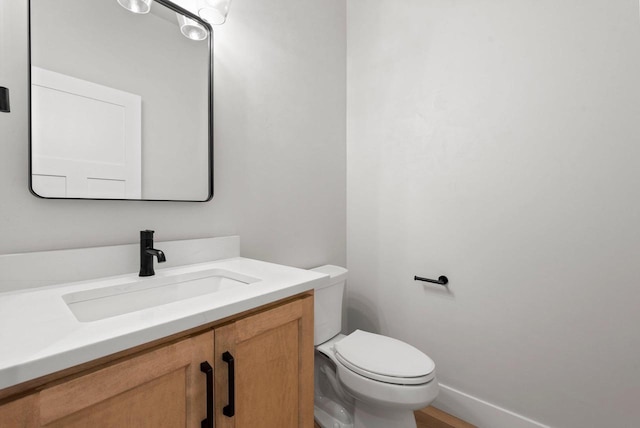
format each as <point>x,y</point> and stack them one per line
<point>121,102</point>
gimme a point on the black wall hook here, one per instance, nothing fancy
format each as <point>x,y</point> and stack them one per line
<point>443,280</point>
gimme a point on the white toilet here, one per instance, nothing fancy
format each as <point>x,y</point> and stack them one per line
<point>364,380</point>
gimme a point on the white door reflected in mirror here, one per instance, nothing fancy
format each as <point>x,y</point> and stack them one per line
<point>86,138</point>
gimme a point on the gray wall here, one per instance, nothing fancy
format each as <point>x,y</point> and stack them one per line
<point>279,145</point>
<point>496,142</point>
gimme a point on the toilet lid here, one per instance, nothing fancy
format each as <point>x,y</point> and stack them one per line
<point>384,358</point>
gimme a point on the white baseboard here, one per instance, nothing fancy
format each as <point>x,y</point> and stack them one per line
<point>479,412</point>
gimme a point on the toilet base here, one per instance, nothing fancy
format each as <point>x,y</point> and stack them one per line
<point>380,417</point>
<point>329,414</point>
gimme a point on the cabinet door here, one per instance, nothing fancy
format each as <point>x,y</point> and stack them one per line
<point>273,366</point>
<point>21,413</point>
<point>161,388</point>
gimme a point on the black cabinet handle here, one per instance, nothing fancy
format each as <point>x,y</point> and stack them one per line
<point>206,368</point>
<point>230,409</point>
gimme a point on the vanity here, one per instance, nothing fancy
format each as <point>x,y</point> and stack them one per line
<point>224,343</point>
<point>120,108</point>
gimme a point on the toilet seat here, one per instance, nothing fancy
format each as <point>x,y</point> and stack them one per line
<point>384,359</point>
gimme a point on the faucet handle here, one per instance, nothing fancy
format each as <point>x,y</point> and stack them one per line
<point>146,234</point>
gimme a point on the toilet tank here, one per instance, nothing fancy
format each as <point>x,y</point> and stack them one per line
<point>328,303</point>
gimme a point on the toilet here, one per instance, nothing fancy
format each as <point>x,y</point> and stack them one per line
<point>364,380</point>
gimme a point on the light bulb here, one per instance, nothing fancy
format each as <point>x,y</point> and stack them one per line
<point>214,11</point>
<point>136,6</point>
<point>191,29</point>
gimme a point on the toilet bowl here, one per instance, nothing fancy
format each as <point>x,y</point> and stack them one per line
<point>364,380</point>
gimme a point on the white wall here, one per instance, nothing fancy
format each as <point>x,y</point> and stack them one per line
<point>279,145</point>
<point>281,84</point>
<point>496,142</point>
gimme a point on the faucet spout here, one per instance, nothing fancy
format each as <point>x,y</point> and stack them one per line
<point>147,252</point>
<point>158,253</point>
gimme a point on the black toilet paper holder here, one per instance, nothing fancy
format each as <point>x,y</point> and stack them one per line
<point>442,280</point>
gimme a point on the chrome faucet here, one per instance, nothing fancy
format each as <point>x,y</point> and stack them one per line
<point>147,252</point>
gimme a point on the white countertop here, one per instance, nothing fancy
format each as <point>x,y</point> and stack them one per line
<point>40,335</point>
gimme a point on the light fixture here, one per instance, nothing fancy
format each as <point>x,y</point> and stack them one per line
<point>190,28</point>
<point>214,11</point>
<point>136,6</point>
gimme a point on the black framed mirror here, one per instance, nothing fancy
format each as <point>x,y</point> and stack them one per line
<point>121,102</point>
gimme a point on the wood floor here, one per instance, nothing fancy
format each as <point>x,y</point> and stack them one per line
<point>435,418</point>
<point>431,417</point>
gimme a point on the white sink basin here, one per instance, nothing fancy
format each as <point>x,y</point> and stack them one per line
<point>143,293</point>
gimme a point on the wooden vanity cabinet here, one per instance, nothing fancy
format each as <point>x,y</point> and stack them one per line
<point>272,353</point>
<point>161,388</point>
<point>264,369</point>
<point>20,413</point>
